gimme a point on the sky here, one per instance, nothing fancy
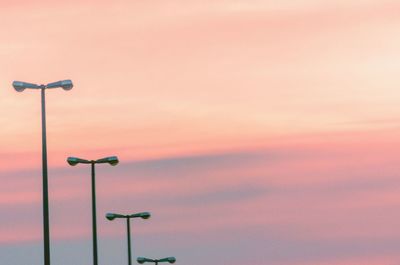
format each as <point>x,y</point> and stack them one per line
<point>255,132</point>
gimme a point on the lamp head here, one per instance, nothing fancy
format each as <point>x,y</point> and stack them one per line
<point>112,160</point>
<point>64,84</point>
<point>110,216</point>
<point>74,160</point>
<point>142,260</point>
<point>144,215</point>
<point>169,259</point>
<point>21,86</point>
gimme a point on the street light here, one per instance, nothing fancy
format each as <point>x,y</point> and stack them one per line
<point>142,260</point>
<point>143,215</point>
<point>112,160</point>
<point>21,86</point>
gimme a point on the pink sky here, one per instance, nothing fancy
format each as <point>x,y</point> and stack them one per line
<point>256,132</point>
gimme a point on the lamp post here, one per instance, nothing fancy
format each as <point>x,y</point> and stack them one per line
<point>21,86</point>
<point>143,215</point>
<point>112,160</point>
<point>142,260</point>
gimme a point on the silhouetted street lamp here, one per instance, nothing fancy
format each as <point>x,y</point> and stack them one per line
<point>21,86</point>
<point>112,160</point>
<point>142,260</point>
<point>143,215</point>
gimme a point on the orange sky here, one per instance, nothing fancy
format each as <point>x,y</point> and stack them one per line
<point>256,132</point>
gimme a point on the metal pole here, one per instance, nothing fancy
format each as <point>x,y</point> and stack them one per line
<point>94,226</point>
<point>128,225</point>
<point>46,229</point>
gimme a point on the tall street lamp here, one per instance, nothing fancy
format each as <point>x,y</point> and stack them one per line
<point>21,86</point>
<point>142,260</point>
<point>143,215</point>
<point>112,160</point>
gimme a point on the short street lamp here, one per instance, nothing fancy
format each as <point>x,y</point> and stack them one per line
<point>143,215</point>
<point>112,160</point>
<point>142,260</point>
<point>21,86</point>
